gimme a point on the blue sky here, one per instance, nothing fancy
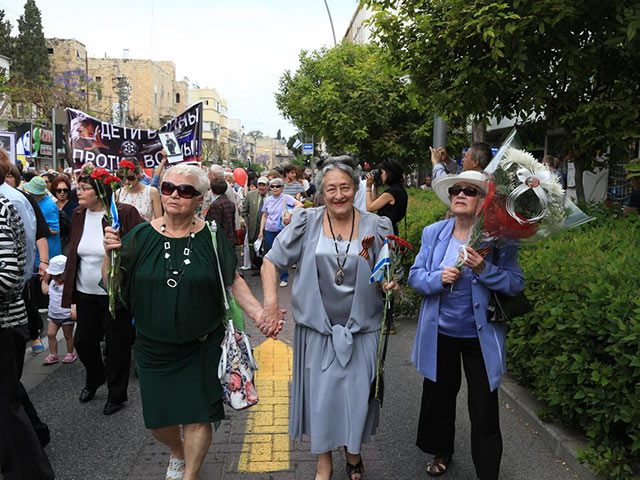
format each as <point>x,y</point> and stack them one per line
<point>239,47</point>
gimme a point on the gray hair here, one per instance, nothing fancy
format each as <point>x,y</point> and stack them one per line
<point>217,171</point>
<point>199,178</point>
<point>345,163</point>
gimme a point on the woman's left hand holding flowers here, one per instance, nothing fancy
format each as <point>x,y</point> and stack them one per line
<point>392,285</point>
<point>474,261</point>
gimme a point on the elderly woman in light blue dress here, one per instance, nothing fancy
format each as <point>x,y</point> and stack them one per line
<point>338,316</point>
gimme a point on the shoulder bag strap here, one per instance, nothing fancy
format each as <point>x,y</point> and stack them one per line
<point>213,229</point>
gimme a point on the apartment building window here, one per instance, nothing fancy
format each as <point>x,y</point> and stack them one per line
<point>155,95</point>
<point>177,98</point>
<point>50,50</point>
<point>98,79</point>
<point>206,102</point>
<point>99,94</point>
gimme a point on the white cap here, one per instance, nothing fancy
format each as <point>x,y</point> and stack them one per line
<point>263,180</point>
<point>56,265</point>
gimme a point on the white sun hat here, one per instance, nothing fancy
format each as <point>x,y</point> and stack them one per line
<point>56,265</point>
<point>441,185</point>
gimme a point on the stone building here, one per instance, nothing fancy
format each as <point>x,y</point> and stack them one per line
<point>155,94</point>
<point>215,127</point>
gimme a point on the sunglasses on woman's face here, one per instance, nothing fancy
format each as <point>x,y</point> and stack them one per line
<point>184,190</point>
<point>62,190</point>
<point>273,187</point>
<point>468,191</point>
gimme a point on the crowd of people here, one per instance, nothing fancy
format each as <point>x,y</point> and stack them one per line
<point>180,232</point>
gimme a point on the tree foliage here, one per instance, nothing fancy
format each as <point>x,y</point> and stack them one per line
<point>356,101</point>
<point>572,65</point>
<point>31,58</point>
<point>6,40</point>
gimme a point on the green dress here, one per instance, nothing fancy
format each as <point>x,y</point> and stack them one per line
<point>178,330</point>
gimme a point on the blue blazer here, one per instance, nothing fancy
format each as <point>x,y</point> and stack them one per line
<point>503,275</point>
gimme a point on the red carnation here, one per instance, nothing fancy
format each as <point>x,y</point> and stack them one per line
<point>111,179</point>
<point>99,173</point>
<point>127,164</point>
<point>399,242</point>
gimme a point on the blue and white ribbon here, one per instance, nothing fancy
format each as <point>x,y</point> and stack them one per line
<point>384,260</point>
<point>115,220</point>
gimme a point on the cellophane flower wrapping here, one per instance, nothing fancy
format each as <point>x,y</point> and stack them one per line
<point>524,201</point>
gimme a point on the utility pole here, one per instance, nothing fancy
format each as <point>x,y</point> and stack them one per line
<point>122,88</point>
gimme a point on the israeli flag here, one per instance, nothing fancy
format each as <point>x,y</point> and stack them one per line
<point>297,143</point>
<point>115,222</point>
<point>383,261</point>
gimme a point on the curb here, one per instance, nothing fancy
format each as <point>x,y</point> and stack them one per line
<point>565,443</point>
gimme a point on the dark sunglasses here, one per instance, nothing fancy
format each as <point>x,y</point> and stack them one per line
<point>468,191</point>
<point>184,191</point>
<point>131,178</point>
<point>62,190</point>
<point>272,187</point>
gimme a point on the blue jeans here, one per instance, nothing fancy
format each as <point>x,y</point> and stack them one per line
<point>269,237</point>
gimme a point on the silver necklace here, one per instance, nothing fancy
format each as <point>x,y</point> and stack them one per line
<point>339,278</point>
<point>175,274</point>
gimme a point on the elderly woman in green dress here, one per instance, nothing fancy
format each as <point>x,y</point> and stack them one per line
<point>336,332</point>
<point>170,282</point>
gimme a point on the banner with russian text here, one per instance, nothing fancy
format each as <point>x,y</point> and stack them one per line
<point>104,144</point>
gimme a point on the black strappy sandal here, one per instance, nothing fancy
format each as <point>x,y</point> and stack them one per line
<point>438,466</point>
<point>353,469</point>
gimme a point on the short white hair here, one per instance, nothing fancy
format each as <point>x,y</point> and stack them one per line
<point>199,178</point>
<point>216,170</point>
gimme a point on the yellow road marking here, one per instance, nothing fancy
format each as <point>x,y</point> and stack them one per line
<point>266,442</point>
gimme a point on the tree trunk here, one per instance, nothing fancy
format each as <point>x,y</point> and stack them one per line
<point>479,130</point>
<point>579,175</point>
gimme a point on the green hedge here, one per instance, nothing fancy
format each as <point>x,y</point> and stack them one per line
<point>580,348</point>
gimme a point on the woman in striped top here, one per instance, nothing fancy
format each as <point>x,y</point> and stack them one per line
<point>12,260</point>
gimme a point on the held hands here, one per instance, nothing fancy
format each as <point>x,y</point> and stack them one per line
<point>270,320</point>
<point>111,240</point>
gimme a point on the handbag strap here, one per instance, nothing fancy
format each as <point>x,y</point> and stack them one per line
<point>213,228</point>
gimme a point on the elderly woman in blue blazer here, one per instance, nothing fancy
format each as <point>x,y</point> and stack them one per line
<point>453,326</point>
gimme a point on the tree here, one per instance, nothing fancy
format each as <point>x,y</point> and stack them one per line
<point>355,100</point>
<point>570,66</point>
<point>279,134</point>
<point>31,58</point>
<point>6,40</point>
<point>255,134</point>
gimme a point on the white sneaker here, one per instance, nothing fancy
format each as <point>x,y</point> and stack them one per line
<point>283,283</point>
<point>175,469</point>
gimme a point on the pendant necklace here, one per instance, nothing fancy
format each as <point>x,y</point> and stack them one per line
<point>176,272</point>
<point>339,278</point>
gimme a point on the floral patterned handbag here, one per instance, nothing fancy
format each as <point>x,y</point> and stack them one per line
<point>237,364</point>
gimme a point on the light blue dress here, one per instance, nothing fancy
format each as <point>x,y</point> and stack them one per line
<point>336,333</point>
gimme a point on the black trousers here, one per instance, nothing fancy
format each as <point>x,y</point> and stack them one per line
<point>436,428</point>
<point>21,455</point>
<point>33,300</point>
<point>94,323</point>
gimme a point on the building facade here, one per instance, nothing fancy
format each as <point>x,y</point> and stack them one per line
<point>271,152</point>
<point>154,94</point>
<point>358,31</point>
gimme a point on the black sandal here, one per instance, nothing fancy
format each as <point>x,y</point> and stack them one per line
<point>438,466</point>
<point>353,469</point>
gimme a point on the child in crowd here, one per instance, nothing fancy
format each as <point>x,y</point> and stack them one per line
<point>58,316</point>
